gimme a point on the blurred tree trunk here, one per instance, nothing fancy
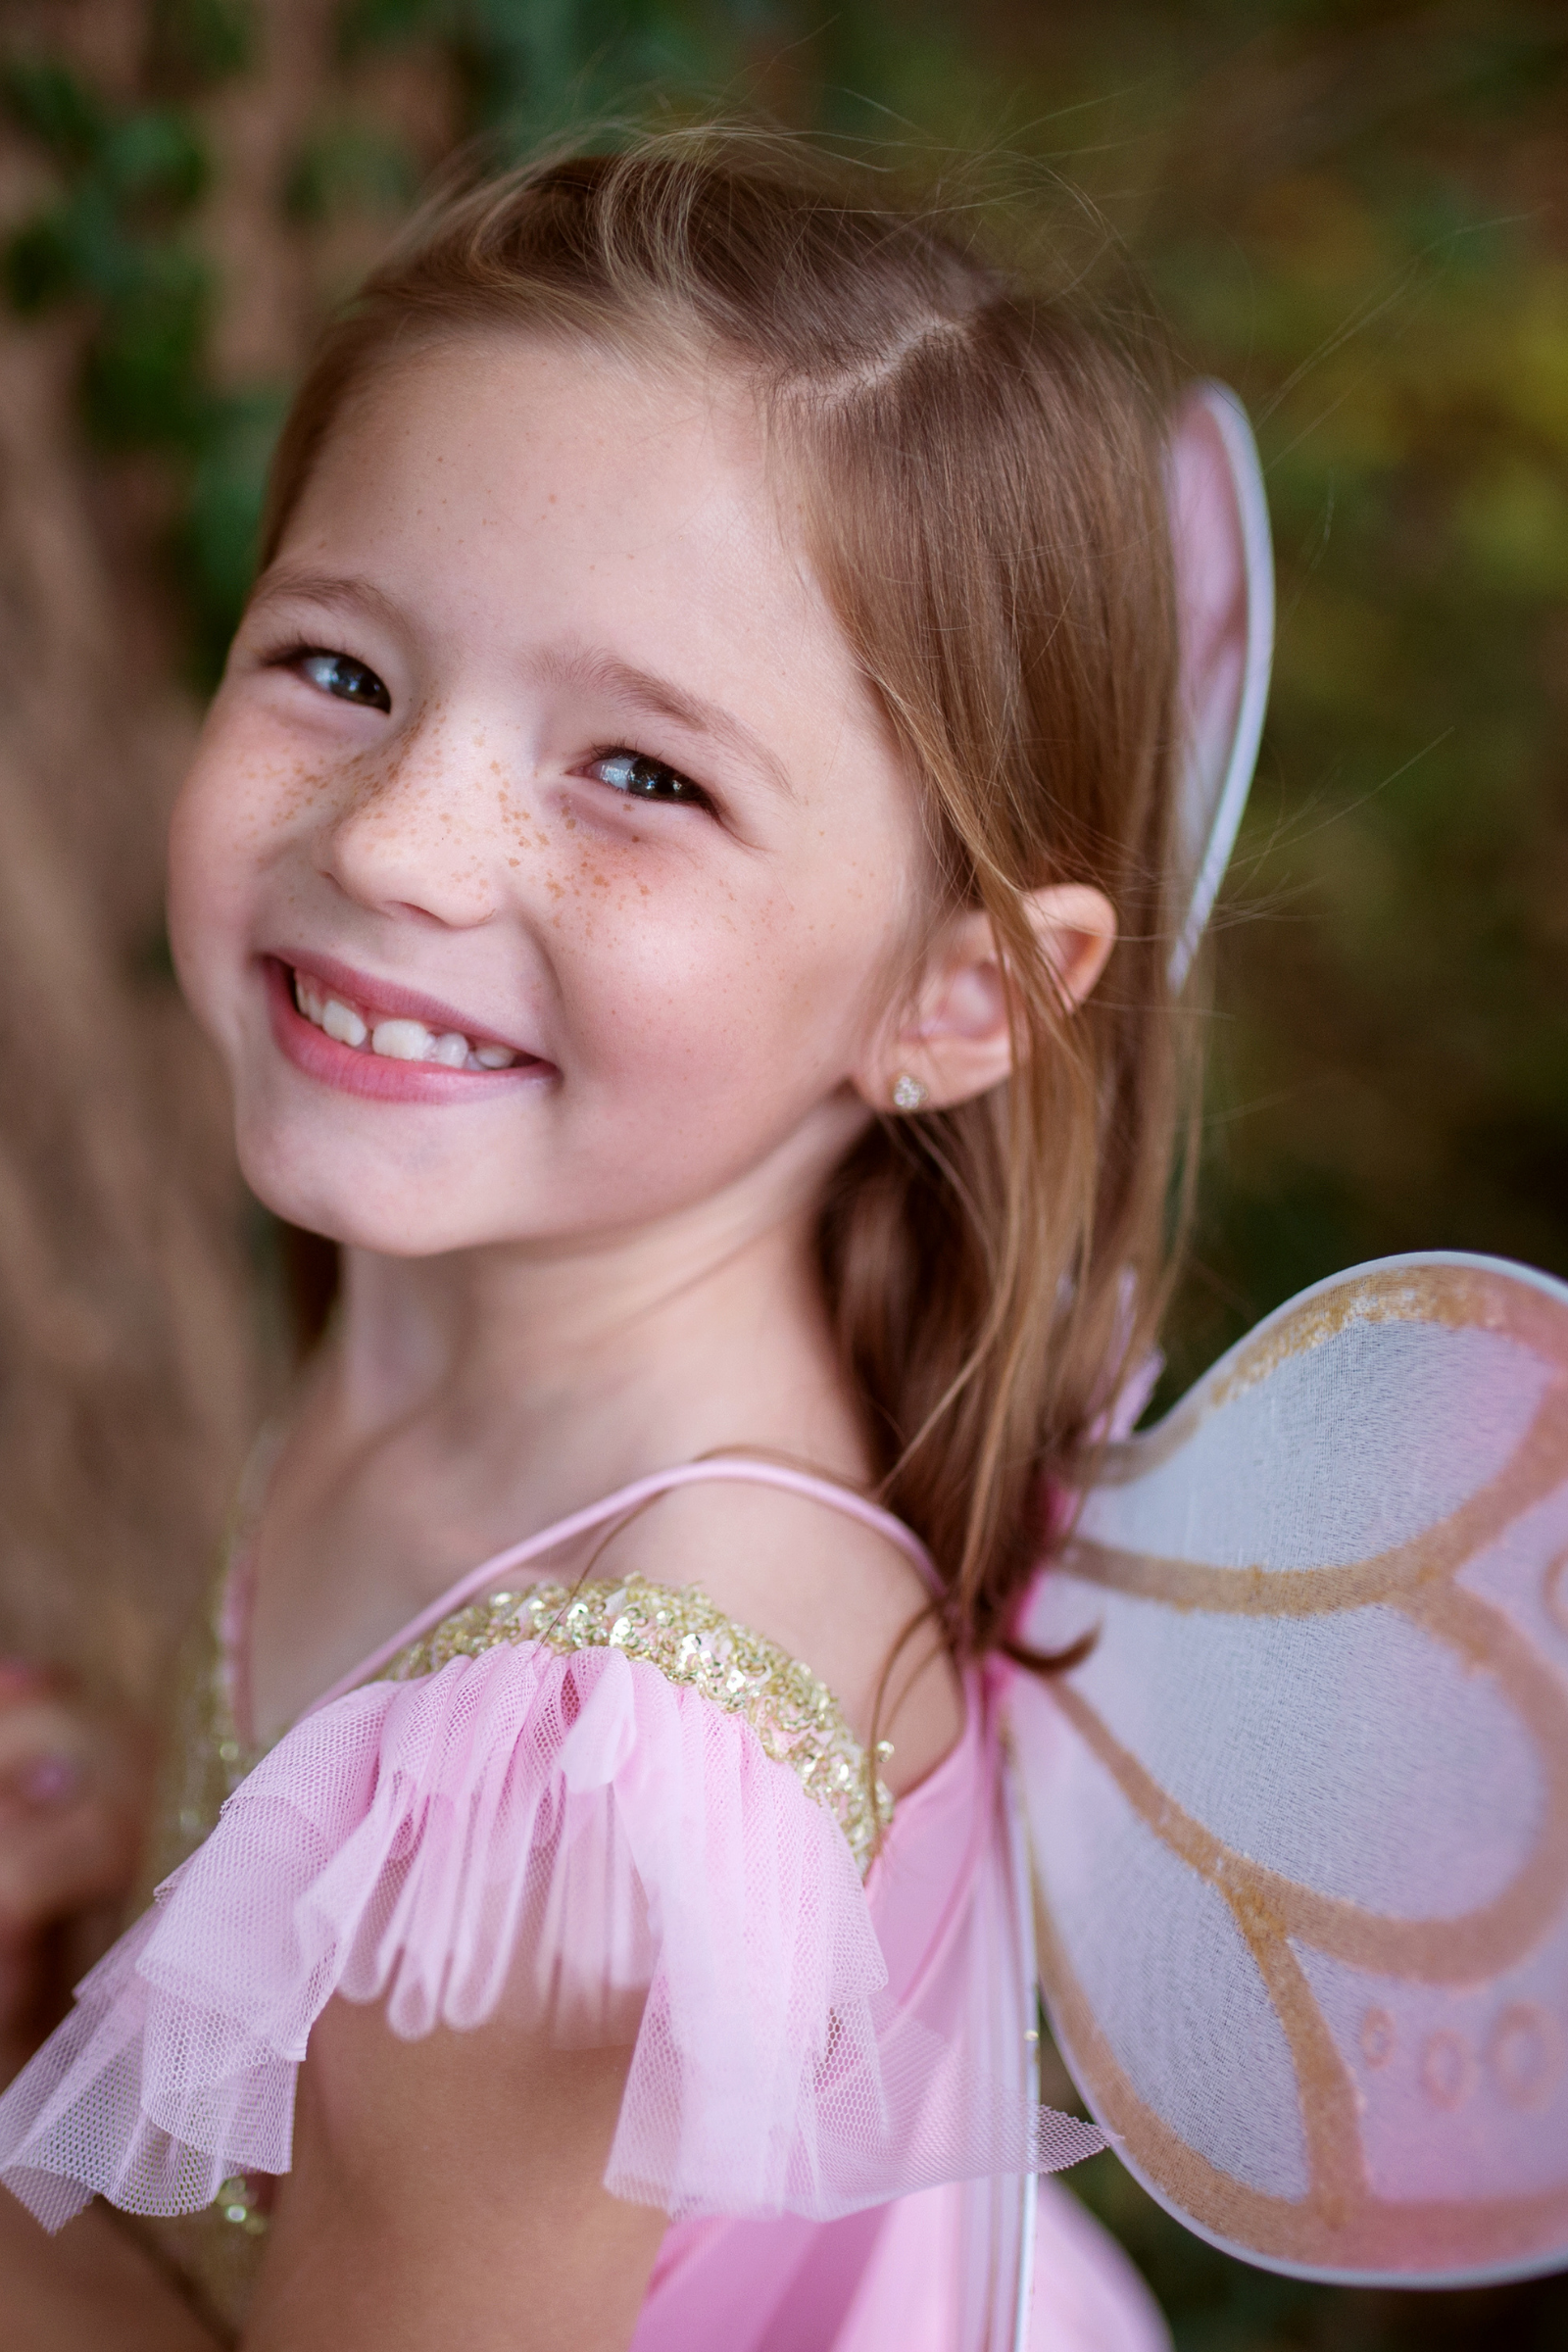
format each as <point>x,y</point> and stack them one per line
<point>130,1377</point>
<point>126,1385</point>
<point>134,1357</point>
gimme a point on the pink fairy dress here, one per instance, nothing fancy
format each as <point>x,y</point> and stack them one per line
<point>1287,1853</point>
<point>645,1825</point>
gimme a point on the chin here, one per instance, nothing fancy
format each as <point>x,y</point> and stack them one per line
<point>345,1204</point>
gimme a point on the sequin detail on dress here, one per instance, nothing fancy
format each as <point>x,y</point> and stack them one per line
<point>795,1718</point>
<point>692,1643</point>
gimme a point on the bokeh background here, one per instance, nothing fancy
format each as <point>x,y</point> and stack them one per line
<point>1357,214</point>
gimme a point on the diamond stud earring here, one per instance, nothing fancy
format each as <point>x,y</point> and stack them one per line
<point>907,1092</point>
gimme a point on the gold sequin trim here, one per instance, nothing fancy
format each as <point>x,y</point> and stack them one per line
<point>678,1629</point>
<point>239,2202</point>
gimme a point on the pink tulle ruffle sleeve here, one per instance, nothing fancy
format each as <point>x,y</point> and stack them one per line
<point>573,1842</point>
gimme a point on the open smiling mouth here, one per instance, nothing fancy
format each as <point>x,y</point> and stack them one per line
<point>394,1037</point>
<point>335,1033</point>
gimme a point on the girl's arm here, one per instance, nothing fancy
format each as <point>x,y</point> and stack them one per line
<point>448,2190</point>
<point>72,1793</point>
<point>89,2289</point>
<point>72,1786</point>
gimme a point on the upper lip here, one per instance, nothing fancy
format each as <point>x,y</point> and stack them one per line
<point>386,996</point>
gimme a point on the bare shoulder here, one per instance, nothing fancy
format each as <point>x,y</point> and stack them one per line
<point>832,1592</point>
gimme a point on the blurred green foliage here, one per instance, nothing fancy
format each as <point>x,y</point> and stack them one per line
<point>122,240</point>
<point>528,66</point>
<point>129,183</point>
<point>1354,211</point>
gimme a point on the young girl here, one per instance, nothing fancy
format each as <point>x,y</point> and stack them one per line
<point>683,870</point>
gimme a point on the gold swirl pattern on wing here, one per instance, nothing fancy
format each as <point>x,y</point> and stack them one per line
<point>1340,2224</point>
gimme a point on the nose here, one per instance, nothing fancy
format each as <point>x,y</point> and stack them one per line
<point>407,834</point>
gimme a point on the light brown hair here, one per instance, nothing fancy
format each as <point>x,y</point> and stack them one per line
<point>981,463</point>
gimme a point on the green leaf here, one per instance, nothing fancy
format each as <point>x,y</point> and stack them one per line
<point>216,542</point>
<point>45,98</point>
<point>142,384</point>
<point>197,42</point>
<point>350,167</point>
<point>40,265</point>
<point>157,156</point>
<point>386,23</point>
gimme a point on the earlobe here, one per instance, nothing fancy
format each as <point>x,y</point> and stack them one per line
<point>956,1042</point>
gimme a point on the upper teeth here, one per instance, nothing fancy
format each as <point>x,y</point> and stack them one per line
<point>399,1040</point>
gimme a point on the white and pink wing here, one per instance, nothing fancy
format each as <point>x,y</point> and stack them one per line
<point>1300,1822</point>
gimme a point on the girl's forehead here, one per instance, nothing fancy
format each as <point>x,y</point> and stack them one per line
<point>517,427</point>
<point>506,463</point>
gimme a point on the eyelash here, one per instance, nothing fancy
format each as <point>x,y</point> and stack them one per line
<point>295,655</point>
<point>687,794</point>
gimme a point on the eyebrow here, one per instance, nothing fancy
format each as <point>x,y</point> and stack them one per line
<point>339,592</point>
<point>660,698</point>
<point>635,689</point>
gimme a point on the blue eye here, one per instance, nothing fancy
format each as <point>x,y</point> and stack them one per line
<point>350,680</point>
<point>644,779</point>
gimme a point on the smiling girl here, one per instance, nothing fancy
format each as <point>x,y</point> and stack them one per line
<point>680,872</point>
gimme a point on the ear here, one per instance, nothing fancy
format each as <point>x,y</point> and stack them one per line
<point>955,1041</point>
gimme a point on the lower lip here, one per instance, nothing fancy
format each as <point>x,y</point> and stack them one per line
<point>355,1071</point>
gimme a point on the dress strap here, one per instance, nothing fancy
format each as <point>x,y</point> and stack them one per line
<point>717,1469</point>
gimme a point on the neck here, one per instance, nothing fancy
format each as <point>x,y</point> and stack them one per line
<point>582,1365</point>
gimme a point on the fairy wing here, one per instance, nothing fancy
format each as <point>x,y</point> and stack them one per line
<point>1299,1823</point>
<point>1224,572</point>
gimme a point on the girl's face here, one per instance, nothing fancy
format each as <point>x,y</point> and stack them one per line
<point>545,856</point>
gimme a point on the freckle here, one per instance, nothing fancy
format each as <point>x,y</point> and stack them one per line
<point>513,861</point>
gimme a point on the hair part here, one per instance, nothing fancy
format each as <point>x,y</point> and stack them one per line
<point>981,460</point>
